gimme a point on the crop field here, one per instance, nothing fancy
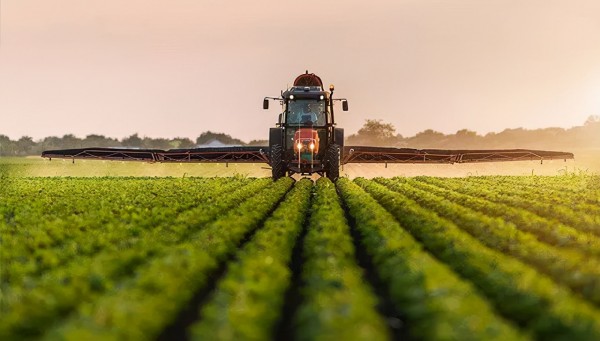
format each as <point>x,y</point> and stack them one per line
<point>235,258</point>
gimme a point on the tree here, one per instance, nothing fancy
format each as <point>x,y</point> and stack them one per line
<point>94,140</point>
<point>377,129</point>
<point>513,138</point>
<point>591,131</point>
<point>181,142</point>
<point>428,139</point>
<point>208,136</point>
<point>52,142</point>
<point>158,143</point>
<point>466,134</point>
<point>133,141</point>
<point>375,132</point>
<point>464,138</point>
<point>24,145</point>
<point>593,120</point>
<point>7,147</point>
<point>71,141</point>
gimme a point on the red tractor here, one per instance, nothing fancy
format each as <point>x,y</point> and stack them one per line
<point>306,140</point>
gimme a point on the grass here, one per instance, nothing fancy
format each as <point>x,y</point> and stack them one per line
<point>38,167</point>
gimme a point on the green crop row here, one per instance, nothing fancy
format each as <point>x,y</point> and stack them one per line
<point>68,202</point>
<point>151,299</point>
<point>438,304</point>
<point>35,302</point>
<point>336,303</point>
<point>519,292</point>
<point>149,241</point>
<point>572,189</point>
<point>104,219</point>
<point>569,268</point>
<point>574,202</point>
<point>548,231</point>
<point>561,213</point>
<point>248,301</point>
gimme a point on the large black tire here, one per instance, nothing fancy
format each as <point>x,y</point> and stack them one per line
<point>277,165</point>
<point>333,162</point>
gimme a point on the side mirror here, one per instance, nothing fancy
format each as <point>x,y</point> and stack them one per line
<point>280,117</point>
<point>265,104</point>
<point>345,105</point>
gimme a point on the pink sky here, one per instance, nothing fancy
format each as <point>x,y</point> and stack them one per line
<point>181,67</point>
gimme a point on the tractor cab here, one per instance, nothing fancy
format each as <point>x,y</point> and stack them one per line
<point>307,122</point>
<point>306,112</point>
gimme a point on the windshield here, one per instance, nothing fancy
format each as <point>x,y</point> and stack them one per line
<point>306,112</point>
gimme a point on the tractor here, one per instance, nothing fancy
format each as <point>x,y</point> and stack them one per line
<point>305,139</point>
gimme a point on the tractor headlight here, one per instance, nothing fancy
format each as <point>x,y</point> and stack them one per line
<point>299,146</point>
<point>291,96</point>
<point>312,146</point>
<point>321,97</point>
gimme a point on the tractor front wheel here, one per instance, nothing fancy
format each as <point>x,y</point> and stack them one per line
<point>277,164</point>
<point>333,162</point>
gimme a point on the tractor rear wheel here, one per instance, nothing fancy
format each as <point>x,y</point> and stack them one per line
<point>277,164</point>
<point>333,162</point>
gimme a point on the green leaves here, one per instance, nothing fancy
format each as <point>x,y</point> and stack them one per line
<point>127,258</point>
<point>518,291</point>
<point>438,304</point>
<point>507,238</point>
<point>247,302</point>
<point>337,303</point>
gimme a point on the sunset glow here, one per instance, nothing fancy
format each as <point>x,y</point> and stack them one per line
<point>178,68</point>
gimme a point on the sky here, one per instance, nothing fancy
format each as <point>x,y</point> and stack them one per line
<point>181,67</point>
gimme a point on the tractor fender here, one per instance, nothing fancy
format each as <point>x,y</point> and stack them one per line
<point>275,136</point>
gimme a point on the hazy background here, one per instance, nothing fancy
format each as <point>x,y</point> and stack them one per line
<point>178,68</point>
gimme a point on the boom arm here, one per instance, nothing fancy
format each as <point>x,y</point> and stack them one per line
<point>350,154</point>
<point>363,154</point>
<point>221,154</point>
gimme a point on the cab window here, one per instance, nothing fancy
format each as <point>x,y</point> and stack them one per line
<point>306,112</point>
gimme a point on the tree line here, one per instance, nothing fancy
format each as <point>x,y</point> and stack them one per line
<point>378,133</point>
<point>27,146</point>
<point>373,133</point>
